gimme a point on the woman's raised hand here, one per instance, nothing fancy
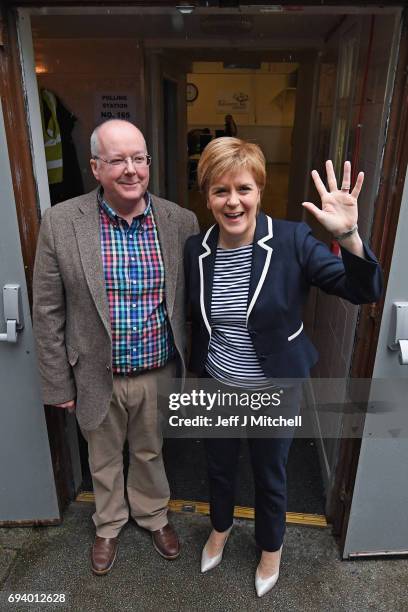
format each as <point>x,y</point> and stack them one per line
<point>338,213</point>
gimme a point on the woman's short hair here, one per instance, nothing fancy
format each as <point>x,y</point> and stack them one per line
<point>225,155</point>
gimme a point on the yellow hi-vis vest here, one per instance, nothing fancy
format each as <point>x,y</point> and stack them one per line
<point>52,139</point>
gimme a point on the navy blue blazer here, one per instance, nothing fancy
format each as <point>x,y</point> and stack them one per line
<point>286,261</point>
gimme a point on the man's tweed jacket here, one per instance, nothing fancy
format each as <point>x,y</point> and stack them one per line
<point>71,313</point>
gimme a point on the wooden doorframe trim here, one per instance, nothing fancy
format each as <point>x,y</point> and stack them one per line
<point>387,208</point>
<point>383,236</point>
<point>18,142</point>
<point>330,6</point>
<point>28,216</point>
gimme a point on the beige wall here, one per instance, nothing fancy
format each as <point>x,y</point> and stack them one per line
<point>270,113</point>
<point>74,69</point>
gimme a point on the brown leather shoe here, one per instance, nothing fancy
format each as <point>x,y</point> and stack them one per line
<point>166,542</point>
<point>103,555</point>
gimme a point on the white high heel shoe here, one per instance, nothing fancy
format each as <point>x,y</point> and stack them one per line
<point>207,562</point>
<point>263,585</point>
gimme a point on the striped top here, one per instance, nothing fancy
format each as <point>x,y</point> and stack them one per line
<point>231,356</point>
<point>134,280</point>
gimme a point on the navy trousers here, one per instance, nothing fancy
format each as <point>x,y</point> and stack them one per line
<point>269,457</point>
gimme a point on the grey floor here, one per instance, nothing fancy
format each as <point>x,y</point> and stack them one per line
<point>55,560</point>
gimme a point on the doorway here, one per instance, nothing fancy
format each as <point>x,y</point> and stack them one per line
<point>170,138</point>
<point>63,44</point>
<point>259,100</point>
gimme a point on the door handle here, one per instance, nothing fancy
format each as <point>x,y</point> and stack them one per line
<point>398,340</point>
<point>13,313</point>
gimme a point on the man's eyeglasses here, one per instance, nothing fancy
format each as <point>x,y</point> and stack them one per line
<point>121,162</point>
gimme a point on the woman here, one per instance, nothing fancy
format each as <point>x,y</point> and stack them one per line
<point>247,279</point>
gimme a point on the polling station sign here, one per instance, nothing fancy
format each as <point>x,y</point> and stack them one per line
<point>115,105</point>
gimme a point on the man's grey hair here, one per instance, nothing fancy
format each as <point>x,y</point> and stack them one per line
<point>95,136</point>
<point>95,142</point>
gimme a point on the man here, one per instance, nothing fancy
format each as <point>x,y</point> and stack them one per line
<point>109,322</point>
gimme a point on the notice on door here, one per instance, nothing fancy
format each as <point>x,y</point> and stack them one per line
<point>115,105</point>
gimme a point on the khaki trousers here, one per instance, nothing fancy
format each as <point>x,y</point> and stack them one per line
<point>132,415</point>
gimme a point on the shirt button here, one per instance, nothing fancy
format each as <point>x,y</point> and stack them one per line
<point>134,282</point>
<point>130,236</point>
<point>133,305</point>
<point>132,258</point>
<point>134,328</point>
<point>134,350</point>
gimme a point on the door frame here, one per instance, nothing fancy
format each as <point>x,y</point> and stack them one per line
<point>25,188</point>
<point>387,208</point>
<point>28,217</point>
<point>170,87</point>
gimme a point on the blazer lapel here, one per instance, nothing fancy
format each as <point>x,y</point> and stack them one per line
<point>167,230</point>
<point>261,259</point>
<point>206,263</point>
<point>87,231</point>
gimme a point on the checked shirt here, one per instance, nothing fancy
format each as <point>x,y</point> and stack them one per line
<point>134,279</point>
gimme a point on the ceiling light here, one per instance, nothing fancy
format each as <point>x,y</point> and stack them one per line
<point>185,8</point>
